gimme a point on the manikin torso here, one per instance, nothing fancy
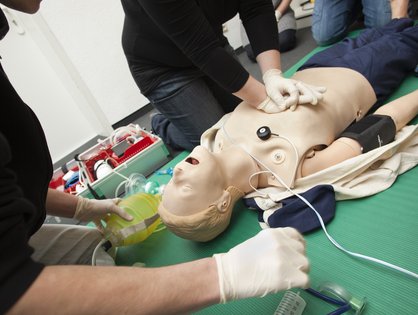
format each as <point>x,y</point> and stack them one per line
<point>349,96</point>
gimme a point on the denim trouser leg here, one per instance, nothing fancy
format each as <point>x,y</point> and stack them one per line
<point>376,12</point>
<point>384,56</point>
<point>191,103</point>
<point>331,19</point>
<point>191,109</point>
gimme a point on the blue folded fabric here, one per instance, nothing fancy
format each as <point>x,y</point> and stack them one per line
<point>295,213</point>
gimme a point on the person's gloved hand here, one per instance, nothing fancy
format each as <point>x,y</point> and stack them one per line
<point>272,261</point>
<point>287,93</point>
<point>96,210</point>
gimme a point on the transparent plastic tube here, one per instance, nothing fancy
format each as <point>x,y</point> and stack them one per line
<point>335,291</point>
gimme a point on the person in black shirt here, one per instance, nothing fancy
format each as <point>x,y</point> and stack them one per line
<point>183,64</point>
<point>41,266</point>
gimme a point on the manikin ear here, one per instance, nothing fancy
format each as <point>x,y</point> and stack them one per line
<point>223,202</point>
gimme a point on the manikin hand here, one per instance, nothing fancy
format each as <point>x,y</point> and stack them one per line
<point>285,93</point>
<point>272,261</point>
<point>96,210</point>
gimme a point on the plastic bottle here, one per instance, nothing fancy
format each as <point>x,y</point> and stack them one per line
<point>143,207</point>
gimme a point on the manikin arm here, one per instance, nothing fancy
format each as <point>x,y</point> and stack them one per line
<point>401,110</point>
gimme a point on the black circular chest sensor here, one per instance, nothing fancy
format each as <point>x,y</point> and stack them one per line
<point>263,132</point>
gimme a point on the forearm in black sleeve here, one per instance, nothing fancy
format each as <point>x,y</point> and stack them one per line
<point>186,25</point>
<point>260,25</point>
<point>17,269</point>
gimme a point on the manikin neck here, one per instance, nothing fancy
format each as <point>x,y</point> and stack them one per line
<point>238,166</point>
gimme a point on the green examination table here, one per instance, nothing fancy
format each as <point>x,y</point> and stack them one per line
<point>384,226</point>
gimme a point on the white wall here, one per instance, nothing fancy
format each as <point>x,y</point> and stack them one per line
<point>68,65</point>
<point>303,11</point>
<point>232,31</point>
<point>37,83</point>
<point>90,34</point>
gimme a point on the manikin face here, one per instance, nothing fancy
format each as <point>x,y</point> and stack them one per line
<point>197,183</point>
<point>27,6</point>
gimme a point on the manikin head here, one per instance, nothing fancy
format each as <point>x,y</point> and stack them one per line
<point>197,203</point>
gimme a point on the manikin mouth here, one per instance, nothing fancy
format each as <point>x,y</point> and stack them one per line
<point>192,160</point>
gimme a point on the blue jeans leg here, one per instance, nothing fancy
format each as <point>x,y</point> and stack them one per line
<point>189,110</point>
<point>331,19</point>
<point>376,12</point>
<point>190,103</point>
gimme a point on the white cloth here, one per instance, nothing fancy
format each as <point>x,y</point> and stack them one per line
<point>66,244</point>
<point>361,176</point>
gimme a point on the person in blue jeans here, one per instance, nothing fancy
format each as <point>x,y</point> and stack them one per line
<point>331,19</point>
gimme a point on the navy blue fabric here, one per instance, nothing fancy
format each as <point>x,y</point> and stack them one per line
<point>383,55</point>
<point>295,213</point>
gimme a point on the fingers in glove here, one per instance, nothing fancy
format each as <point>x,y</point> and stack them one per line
<point>291,233</point>
<point>306,99</point>
<point>318,95</point>
<point>291,103</point>
<point>305,90</point>
<point>120,212</point>
<point>278,100</point>
<point>303,264</point>
<point>116,200</point>
<point>286,102</point>
<point>268,106</point>
<point>293,98</point>
<point>301,281</point>
<point>298,273</point>
<point>297,246</point>
<point>319,89</point>
<point>113,208</point>
<point>99,225</point>
<point>272,107</point>
<point>284,95</point>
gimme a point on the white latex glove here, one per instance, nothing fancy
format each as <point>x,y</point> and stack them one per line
<point>287,93</point>
<point>97,210</point>
<point>278,15</point>
<point>272,261</point>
